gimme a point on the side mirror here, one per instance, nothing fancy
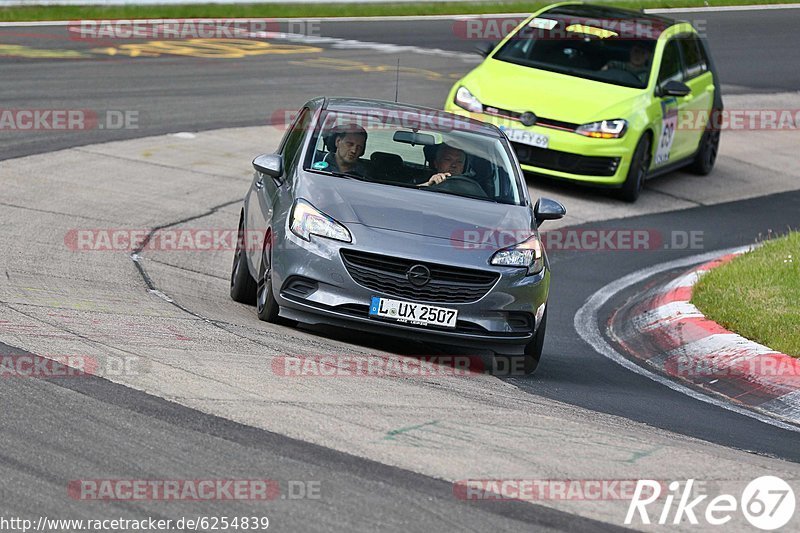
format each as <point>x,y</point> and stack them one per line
<point>547,209</point>
<point>484,49</point>
<point>269,164</point>
<point>673,88</point>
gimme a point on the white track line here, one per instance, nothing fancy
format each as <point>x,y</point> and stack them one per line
<point>587,327</point>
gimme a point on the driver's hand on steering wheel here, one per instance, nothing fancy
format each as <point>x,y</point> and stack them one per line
<point>436,179</point>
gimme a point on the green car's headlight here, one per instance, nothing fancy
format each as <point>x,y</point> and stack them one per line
<point>527,254</point>
<point>307,220</point>
<point>604,129</point>
<point>465,100</point>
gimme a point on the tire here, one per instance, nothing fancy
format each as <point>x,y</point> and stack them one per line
<point>533,351</point>
<point>267,308</point>
<point>529,360</point>
<point>243,286</point>
<point>637,173</point>
<point>706,156</point>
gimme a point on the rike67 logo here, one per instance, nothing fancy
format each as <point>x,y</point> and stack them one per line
<point>767,503</point>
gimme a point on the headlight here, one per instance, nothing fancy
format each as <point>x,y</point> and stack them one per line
<point>465,100</point>
<point>604,129</point>
<point>527,254</point>
<point>307,220</point>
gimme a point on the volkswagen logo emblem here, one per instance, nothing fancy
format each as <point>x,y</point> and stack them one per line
<point>418,275</point>
<point>527,118</point>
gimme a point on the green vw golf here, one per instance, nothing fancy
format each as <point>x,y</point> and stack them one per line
<point>599,95</point>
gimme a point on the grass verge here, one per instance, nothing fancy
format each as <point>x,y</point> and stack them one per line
<point>277,10</point>
<point>757,295</point>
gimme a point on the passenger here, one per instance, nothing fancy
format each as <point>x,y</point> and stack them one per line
<point>449,161</point>
<point>350,143</point>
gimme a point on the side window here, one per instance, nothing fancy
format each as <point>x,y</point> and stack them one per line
<point>670,64</point>
<point>294,139</point>
<point>693,57</point>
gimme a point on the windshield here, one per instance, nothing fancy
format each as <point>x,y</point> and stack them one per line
<point>396,150</point>
<point>587,49</point>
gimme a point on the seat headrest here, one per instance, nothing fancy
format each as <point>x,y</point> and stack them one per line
<point>430,152</point>
<point>386,159</point>
<point>329,140</point>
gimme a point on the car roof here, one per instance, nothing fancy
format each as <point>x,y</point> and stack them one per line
<point>609,16</point>
<point>363,105</point>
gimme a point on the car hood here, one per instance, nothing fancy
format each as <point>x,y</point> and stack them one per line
<point>548,94</point>
<point>419,212</point>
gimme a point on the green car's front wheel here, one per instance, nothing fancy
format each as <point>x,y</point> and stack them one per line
<point>637,172</point>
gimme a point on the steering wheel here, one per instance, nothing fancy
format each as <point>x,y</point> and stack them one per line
<point>462,185</point>
<point>632,76</point>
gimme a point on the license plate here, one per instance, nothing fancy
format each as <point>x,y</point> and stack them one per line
<point>420,314</point>
<point>527,137</point>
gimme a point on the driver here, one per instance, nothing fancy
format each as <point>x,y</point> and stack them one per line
<point>449,161</point>
<point>638,62</point>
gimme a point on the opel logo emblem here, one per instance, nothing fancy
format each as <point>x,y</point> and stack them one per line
<point>528,118</point>
<point>418,275</point>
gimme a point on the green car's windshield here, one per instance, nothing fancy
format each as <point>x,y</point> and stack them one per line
<point>409,149</point>
<point>587,49</point>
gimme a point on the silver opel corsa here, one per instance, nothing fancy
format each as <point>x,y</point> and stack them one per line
<point>396,219</point>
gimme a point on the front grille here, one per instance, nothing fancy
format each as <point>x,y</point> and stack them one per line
<point>387,275</point>
<point>540,121</point>
<point>566,161</point>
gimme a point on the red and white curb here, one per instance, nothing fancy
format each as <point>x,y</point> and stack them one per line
<point>783,412</point>
<point>667,332</point>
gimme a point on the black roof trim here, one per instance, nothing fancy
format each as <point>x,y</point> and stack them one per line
<point>338,103</point>
<point>598,11</point>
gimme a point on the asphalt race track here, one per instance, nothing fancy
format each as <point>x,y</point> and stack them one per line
<point>383,453</point>
<point>167,91</point>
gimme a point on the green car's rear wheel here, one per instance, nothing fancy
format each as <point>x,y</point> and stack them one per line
<point>706,155</point>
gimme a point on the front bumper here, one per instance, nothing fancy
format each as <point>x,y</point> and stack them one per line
<point>313,285</point>
<point>569,156</point>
